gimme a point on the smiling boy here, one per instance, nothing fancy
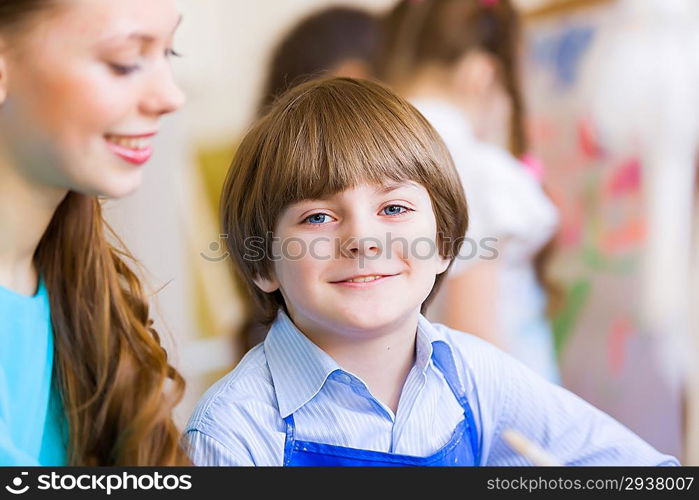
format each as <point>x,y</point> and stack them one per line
<point>362,213</point>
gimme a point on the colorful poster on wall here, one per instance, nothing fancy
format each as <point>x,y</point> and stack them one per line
<point>605,355</point>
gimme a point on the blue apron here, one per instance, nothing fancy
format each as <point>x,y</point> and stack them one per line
<point>461,450</point>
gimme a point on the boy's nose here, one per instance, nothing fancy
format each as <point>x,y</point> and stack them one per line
<point>364,246</point>
<point>361,235</point>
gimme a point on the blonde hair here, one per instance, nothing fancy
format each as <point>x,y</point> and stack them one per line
<point>319,139</point>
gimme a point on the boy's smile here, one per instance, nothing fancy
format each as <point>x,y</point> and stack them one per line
<point>357,263</point>
<point>364,280</point>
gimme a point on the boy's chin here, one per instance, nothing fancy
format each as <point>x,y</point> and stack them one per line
<point>371,320</point>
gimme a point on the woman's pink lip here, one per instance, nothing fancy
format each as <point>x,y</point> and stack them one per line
<point>135,156</point>
<point>134,136</point>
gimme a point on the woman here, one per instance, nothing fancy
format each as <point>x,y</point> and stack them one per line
<point>457,60</point>
<point>83,377</point>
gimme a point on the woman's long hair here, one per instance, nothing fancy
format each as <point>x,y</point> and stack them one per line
<point>116,384</point>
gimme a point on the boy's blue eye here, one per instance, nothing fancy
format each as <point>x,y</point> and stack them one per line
<point>316,218</point>
<point>394,210</point>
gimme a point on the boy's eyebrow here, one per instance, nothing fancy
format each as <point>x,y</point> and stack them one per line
<point>395,185</point>
<point>383,189</point>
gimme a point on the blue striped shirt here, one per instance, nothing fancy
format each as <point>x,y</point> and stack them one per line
<point>239,421</point>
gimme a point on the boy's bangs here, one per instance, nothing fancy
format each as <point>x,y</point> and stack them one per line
<point>338,139</point>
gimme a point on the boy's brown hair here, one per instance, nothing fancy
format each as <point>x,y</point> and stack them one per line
<point>319,139</point>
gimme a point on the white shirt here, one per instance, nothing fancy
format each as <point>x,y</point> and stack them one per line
<point>507,204</point>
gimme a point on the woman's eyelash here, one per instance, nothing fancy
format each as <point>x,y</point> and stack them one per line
<point>122,70</point>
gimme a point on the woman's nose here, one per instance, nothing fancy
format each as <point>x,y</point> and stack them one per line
<point>163,95</point>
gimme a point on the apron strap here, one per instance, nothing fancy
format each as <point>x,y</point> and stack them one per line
<point>290,439</point>
<point>445,363</point>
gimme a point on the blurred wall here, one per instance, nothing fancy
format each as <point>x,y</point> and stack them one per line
<point>226,44</point>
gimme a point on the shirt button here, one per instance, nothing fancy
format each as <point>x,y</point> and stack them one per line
<point>344,378</point>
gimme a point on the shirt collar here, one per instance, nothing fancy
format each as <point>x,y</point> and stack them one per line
<point>299,368</point>
<point>432,343</point>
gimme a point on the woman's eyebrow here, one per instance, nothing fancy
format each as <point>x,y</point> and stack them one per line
<point>142,37</point>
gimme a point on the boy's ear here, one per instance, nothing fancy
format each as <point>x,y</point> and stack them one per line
<point>267,285</point>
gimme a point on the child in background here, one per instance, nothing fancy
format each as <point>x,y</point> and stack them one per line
<point>344,212</point>
<point>338,41</point>
<point>457,62</point>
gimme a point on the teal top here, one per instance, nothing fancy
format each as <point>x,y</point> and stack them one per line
<point>32,420</point>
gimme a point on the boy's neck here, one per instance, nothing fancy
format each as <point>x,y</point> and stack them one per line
<point>382,358</point>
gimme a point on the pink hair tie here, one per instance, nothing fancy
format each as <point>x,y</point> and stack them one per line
<point>534,166</point>
<point>489,3</point>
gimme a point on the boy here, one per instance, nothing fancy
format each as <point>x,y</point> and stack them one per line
<point>343,212</point>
